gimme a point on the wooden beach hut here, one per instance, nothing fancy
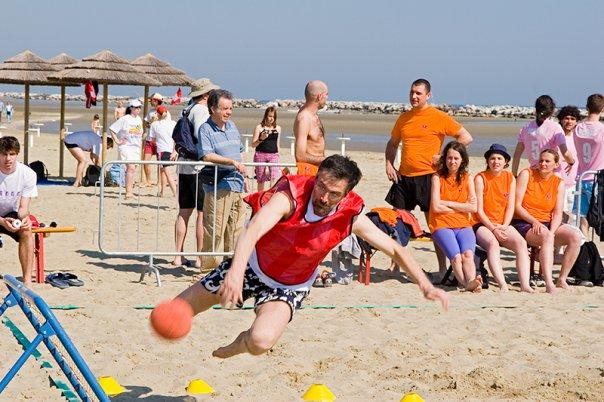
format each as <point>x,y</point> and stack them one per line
<point>107,69</point>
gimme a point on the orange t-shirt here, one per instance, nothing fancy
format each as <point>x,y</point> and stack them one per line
<point>451,191</point>
<point>541,195</point>
<point>495,195</point>
<point>422,133</point>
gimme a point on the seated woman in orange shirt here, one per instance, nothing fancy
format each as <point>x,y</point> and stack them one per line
<point>538,217</point>
<point>495,195</point>
<point>453,200</point>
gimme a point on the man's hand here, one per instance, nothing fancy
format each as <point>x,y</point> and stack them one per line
<point>434,294</point>
<point>500,233</point>
<point>240,167</point>
<point>26,223</point>
<point>393,174</point>
<point>537,226</point>
<point>435,159</point>
<point>231,290</point>
<point>7,223</point>
<point>568,168</point>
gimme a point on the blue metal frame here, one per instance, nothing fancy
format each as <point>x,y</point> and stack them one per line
<point>16,297</point>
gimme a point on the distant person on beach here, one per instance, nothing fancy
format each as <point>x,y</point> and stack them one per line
<point>79,144</point>
<point>421,131</point>
<point>127,132</point>
<point>568,117</point>
<point>589,143</point>
<point>495,201</point>
<point>161,130</point>
<point>1,109</point>
<point>452,202</point>
<point>150,148</point>
<point>541,133</point>
<point>119,110</point>
<point>9,112</point>
<point>308,129</point>
<point>538,217</point>
<point>220,143</point>
<point>190,187</point>
<point>17,188</point>
<point>266,142</point>
<point>95,125</point>
<point>294,226</point>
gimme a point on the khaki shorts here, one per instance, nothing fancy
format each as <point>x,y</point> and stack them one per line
<point>129,154</point>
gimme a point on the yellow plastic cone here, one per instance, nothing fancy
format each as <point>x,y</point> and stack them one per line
<point>412,397</point>
<point>318,392</point>
<point>110,386</point>
<point>199,386</point>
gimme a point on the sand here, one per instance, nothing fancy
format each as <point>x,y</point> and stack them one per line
<point>489,346</point>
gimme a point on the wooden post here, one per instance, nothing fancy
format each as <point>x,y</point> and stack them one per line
<point>145,109</point>
<point>26,127</point>
<point>62,133</point>
<point>105,128</point>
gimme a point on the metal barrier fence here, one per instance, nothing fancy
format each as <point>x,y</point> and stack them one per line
<point>47,326</point>
<point>139,223</point>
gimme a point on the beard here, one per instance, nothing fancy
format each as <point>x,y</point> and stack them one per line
<point>320,209</point>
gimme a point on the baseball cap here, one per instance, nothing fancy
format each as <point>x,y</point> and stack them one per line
<point>161,109</point>
<point>135,103</point>
<point>157,96</point>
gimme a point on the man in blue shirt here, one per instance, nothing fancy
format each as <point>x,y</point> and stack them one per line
<point>220,143</point>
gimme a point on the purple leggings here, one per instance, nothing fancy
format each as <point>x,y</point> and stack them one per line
<point>455,241</point>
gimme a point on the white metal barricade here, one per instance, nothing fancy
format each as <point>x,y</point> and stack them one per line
<point>139,222</point>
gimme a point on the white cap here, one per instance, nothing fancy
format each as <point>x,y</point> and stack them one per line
<point>135,103</point>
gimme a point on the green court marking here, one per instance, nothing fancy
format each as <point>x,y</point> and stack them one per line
<point>65,307</point>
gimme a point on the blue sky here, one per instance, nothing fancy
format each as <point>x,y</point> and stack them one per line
<point>480,52</point>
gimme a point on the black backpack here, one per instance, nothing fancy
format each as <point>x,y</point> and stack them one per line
<point>40,169</point>
<point>185,140</point>
<point>588,266</point>
<point>93,174</point>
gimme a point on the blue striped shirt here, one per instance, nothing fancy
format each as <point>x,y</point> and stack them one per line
<point>226,143</point>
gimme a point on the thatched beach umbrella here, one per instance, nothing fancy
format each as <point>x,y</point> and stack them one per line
<point>106,68</point>
<point>61,61</point>
<point>29,69</point>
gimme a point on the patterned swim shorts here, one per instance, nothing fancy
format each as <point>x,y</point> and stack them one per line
<point>254,287</point>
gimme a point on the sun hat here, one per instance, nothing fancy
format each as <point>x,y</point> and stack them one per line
<point>498,149</point>
<point>202,86</point>
<point>161,109</point>
<point>135,103</point>
<point>157,96</point>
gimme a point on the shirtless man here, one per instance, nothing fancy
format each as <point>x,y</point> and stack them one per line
<point>309,131</point>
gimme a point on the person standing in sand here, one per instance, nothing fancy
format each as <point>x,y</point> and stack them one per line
<point>309,131</point>
<point>293,227</point>
<point>422,131</point>
<point>119,110</point>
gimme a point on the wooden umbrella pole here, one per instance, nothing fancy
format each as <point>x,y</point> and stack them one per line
<point>105,128</point>
<point>62,132</point>
<point>145,108</point>
<point>26,126</point>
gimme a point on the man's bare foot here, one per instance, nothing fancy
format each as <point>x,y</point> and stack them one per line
<point>234,348</point>
<point>561,283</point>
<point>76,184</point>
<point>129,196</point>
<point>28,284</point>
<point>475,285</point>
<point>550,288</point>
<point>504,288</point>
<point>527,289</point>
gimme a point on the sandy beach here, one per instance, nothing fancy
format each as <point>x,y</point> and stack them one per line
<point>487,347</point>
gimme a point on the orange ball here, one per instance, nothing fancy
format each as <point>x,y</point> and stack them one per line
<point>172,319</point>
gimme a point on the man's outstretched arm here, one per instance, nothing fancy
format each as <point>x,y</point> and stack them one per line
<point>365,229</point>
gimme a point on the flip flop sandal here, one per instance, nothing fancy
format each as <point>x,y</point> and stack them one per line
<point>57,281</point>
<point>72,280</point>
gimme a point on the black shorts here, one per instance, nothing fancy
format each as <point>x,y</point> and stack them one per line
<point>523,226</point>
<point>164,156</point>
<point>14,235</point>
<point>71,145</point>
<point>254,287</point>
<point>410,192</point>
<point>187,196</point>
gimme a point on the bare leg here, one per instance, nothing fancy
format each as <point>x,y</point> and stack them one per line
<point>517,244</point>
<point>544,240</point>
<point>169,179</point>
<point>271,320</point>
<point>456,264</point>
<point>584,226</point>
<point>82,159</point>
<point>180,232</point>
<point>199,298</point>
<point>474,282</point>
<point>26,255</point>
<point>147,170</point>
<point>487,240</point>
<point>130,169</point>
<point>199,237</point>
<point>570,237</point>
<point>260,186</point>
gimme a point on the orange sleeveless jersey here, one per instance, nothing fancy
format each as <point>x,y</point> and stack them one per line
<point>451,191</point>
<point>496,195</point>
<point>541,195</point>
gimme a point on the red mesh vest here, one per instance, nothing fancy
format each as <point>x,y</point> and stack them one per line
<point>290,252</point>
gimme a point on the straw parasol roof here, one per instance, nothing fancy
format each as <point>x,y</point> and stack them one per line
<point>161,71</point>
<point>27,68</point>
<point>62,60</point>
<point>106,68</point>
